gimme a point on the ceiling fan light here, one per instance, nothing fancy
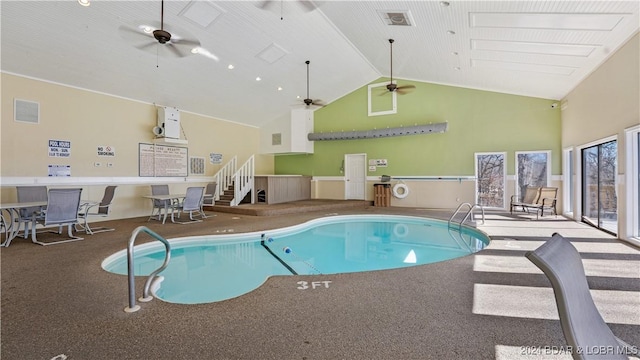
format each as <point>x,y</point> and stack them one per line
<point>146,29</point>
<point>84,2</point>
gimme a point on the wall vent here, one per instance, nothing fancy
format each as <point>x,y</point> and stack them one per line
<point>396,17</point>
<point>26,111</point>
<point>276,139</point>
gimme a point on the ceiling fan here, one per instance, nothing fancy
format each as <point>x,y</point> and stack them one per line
<point>391,86</point>
<point>306,4</point>
<point>177,45</point>
<point>308,101</point>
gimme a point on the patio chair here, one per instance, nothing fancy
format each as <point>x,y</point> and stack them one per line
<point>30,194</point>
<point>192,204</point>
<point>159,205</point>
<point>97,209</point>
<point>531,195</point>
<point>209,198</point>
<point>62,209</point>
<point>584,329</point>
<point>546,201</point>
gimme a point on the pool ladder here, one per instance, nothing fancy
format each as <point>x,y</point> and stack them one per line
<point>130,269</point>
<point>466,216</point>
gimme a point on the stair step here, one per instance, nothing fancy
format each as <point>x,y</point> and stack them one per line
<point>226,197</point>
<point>223,202</point>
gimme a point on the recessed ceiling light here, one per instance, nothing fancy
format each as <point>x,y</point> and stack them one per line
<point>195,50</point>
<point>298,97</point>
<point>444,3</point>
<point>258,78</point>
<point>84,2</point>
<point>230,67</point>
<point>279,88</point>
<point>451,32</point>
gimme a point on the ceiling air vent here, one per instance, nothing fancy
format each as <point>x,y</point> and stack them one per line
<point>396,17</point>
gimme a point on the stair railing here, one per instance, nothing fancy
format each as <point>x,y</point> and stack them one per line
<point>224,176</point>
<point>243,181</point>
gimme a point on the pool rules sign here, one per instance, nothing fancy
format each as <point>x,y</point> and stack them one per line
<point>59,148</point>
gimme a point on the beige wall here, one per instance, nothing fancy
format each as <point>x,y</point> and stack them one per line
<point>602,106</point>
<point>430,194</point>
<point>88,120</point>
<point>606,102</point>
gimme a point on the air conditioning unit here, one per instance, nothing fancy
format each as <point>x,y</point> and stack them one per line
<point>168,123</point>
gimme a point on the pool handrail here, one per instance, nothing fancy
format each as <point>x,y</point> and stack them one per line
<point>130,268</point>
<point>466,216</point>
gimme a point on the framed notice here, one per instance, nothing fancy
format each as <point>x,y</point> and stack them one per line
<point>163,160</point>
<point>196,164</point>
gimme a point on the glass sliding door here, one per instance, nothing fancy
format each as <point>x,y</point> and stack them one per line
<point>599,198</point>
<point>490,174</point>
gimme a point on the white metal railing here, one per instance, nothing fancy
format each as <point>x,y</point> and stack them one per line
<point>469,213</point>
<point>224,176</point>
<point>243,180</point>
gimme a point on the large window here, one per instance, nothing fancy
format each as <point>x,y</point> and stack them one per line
<point>490,174</point>
<point>599,198</point>
<point>568,171</point>
<point>532,169</point>
<point>633,182</point>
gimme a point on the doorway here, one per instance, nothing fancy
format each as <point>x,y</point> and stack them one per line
<point>355,176</point>
<point>599,198</point>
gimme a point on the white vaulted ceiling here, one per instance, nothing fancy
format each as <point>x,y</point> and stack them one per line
<point>533,48</point>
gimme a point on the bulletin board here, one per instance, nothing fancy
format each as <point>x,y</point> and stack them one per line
<point>163,160</point>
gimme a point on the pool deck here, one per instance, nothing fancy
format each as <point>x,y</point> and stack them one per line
<point>57,303</point>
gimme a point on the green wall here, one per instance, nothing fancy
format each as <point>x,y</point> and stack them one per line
<point>479,121</point>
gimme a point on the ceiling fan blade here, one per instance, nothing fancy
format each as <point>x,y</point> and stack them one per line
<point>146,46</point>
<point>317,103</point>
<point>404,92</point>
<point>179,41</point>
<point>309,5</point>
<point>403,87</point>
<point>265,4</point>
<point>174,50</point>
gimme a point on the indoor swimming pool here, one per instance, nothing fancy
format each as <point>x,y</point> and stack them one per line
<point>212,268</point>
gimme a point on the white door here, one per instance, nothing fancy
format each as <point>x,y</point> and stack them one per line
<point>355,174</point>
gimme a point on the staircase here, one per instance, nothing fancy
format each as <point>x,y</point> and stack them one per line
<point>235,184</point>
<point>226,198</point>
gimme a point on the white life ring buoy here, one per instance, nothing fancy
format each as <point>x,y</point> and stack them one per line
<point>400,191</point>
<point>400,230</point>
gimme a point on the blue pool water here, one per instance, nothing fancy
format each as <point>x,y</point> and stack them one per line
<point>217,267</point>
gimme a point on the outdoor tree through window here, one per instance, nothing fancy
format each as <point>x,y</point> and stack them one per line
<point>532,169</point>
<point>490,172</point>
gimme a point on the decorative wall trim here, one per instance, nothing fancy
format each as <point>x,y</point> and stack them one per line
<point>380,133</point>
<point>87,181</point>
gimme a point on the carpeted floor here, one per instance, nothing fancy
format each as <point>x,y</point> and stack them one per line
<point>57,303</point>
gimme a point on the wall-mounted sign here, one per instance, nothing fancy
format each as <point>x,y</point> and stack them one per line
<point>163,160</point>
<point>59,170</point>
<point>215,158</point>
<point>59,148</point>
<point>106,151</point>
<point>378,162</point>
<point>372,168</point>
